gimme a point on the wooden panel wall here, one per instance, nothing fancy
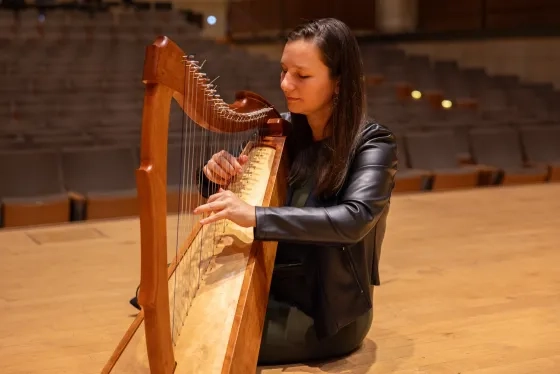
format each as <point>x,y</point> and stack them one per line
<point>248,16</point>
<point>262,17</point>
<point>446,15</point>
<point>504,14</point>
<point>358,14</point>
<point>476,15</point>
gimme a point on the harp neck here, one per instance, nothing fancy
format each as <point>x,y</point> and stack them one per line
<point>167,65</point>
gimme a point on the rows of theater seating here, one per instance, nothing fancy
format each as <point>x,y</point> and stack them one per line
<point>459,127</point>
<point>64,88</point>
<point>83,183</point>
<point>58,185</point>
<point>496,155</point>
<point>71,102</point>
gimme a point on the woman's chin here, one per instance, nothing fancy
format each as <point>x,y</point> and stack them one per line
<point>294,107</point>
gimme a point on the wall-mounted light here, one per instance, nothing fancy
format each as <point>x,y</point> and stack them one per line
<point>211,20</point>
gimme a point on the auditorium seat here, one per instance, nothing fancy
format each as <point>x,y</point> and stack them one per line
<point>422,77</point>
<point>101,181</point>
<point>31,188</point>
<point>59,141</point>
<point>459,121</point>
<point>542,146</point>
<point>11,143</point>
<point>500,147</point>
<point>435,151</point>
<point>409,179</point>
<point>455,84</point>
<point>380,63</point>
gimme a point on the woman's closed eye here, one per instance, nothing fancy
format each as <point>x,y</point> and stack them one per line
<point>299,75</point>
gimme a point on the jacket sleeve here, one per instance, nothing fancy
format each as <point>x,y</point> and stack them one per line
<point>365,196</point>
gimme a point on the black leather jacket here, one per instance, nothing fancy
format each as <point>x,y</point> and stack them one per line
<point>346,232</point>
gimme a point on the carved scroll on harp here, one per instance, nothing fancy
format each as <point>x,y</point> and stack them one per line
<point>203,309</point>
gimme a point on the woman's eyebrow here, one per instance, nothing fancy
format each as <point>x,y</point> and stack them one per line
<point>295,65</point>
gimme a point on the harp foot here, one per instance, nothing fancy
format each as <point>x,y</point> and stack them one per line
<point>134,300</point>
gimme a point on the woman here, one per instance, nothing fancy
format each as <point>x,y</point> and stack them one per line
<point>330,232</point>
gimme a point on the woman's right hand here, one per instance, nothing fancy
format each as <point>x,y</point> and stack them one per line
<point>222,167</point>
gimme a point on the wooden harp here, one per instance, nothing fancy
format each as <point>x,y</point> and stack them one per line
<point>203,307</point>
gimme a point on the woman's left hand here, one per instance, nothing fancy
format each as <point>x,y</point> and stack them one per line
<point>226,205</point>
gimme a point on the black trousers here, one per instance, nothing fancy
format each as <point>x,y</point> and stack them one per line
<point>289,336</point>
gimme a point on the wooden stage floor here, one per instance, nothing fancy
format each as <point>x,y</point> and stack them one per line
<point>470,284</point>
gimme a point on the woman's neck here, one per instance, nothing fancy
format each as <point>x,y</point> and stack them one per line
<point>318,121</point>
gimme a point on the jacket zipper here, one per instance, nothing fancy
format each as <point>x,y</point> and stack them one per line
<point>351,260</point>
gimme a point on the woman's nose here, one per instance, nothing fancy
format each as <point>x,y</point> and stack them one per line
<point>286,84</point>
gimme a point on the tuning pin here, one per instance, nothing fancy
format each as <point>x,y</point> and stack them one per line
<point>194,67</point>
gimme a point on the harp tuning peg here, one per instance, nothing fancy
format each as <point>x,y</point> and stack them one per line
<point>187,58</point>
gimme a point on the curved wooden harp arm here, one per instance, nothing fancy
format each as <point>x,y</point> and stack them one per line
<point>216,325</point>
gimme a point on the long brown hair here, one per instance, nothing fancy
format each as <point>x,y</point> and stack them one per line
<point>330,158</point>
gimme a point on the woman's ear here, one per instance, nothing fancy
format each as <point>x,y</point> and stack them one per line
<point>337,86</point>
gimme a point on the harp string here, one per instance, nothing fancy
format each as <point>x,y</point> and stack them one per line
<point>182,292</point>
<point>204,155</point>
<point>183,220</point>
<point>197,146</point>
<point>193,277</point>
<point>180,210</point>
<point>214,148</point>
<point>229,148</point>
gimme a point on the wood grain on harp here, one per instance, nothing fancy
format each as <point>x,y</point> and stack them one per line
<point>203,312</point>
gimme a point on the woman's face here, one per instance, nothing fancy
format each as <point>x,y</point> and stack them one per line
<point>305,79</point>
